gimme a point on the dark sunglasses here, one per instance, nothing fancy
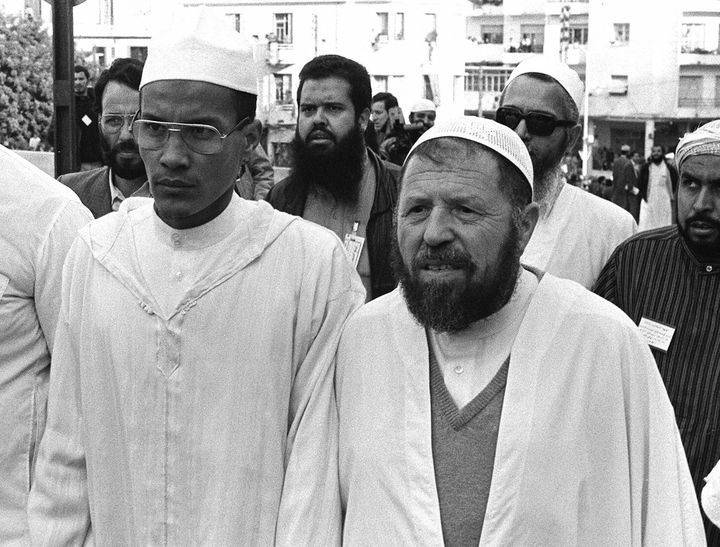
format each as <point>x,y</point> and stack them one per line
<point>538,123</point>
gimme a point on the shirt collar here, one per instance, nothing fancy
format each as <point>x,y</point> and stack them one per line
<point>703,267</point>
<point>200,237</point>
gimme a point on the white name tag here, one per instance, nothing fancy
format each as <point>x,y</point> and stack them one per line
<point>656,334</point>
<point>87,120</point>
<point>353,247</point>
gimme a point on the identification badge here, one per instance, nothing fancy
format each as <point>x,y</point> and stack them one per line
<point>87,120</point>
<point>656,334</point>
<point>354,245</point>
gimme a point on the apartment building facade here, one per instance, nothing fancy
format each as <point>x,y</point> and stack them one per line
<point>652,69</point>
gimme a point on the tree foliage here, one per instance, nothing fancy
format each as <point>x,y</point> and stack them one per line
<point>26,81</point>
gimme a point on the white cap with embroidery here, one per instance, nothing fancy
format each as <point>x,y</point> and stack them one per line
<point>201,45</point>
<point>489,133</point>
<point>703,141</point>
<point>423,105</point>
<point>558,71</point>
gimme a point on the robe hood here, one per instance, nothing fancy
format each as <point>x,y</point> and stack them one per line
<point>112,242</point>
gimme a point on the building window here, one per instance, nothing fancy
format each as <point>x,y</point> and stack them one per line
<point>381,25</point>
<point>491,34</point>
<point>533,38</point>
<point>106,15</point>
<point>693,38</point>
<point>399,26</point>
<point>494,80</point>
<point>579,35</point>
<point>99,55</point>
<point>283,28</point>
<point>622,33</point>
<point>234,20</point>
<point>717,90</point>
<point>690,91</point>
<point>283,89</point>
<point>430,27</point>
<point>618,84</point>
<point>472,79</point>
<point>139,53</point>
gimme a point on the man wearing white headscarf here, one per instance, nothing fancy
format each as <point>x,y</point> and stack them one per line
<point>668,281</point>
<point>191,397</point>
<point>486,403</point>
<point>577,231</point>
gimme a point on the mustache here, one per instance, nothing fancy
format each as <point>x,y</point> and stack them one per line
<point>702,217</point>
<point>126,146</point>
<point>455,258</point>
<point>319,131</point>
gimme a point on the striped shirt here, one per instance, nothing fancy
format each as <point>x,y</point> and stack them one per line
<point>654,275</point>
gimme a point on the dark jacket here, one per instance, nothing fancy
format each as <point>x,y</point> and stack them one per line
<point>289,196</point>
<point>93,189</point>
<point>644,175</point>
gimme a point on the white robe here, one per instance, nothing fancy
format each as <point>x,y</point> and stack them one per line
<point>213,424</point>
<point>588,452</point>
<point>39,219</point>
<point>578,236</point>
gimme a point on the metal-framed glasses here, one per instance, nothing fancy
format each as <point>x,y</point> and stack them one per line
<point>541,124</point>
<point>113,123</point>
<point>200,138</point>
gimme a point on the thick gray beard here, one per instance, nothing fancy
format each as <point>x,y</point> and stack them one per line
<point>547,189</point>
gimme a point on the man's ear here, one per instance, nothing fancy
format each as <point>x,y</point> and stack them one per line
<point>252,134</point>
<point>363,119</point>
<point>574,134</point>
<point>528,220</point>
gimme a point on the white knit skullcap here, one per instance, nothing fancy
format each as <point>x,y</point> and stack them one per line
<point>423,105</point>
<point>489,133</point>
<point>202,46</point>
<point>558,71</point>
<point>704,140</point>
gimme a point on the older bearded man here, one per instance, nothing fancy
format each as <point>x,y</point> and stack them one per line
<point>668,281</point>
<point>577,231</point>
<point>482,402</point>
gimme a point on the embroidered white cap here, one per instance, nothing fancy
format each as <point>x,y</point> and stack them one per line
<point>704,140</point>
<point>202,46</point>
<point>558,71</point>
<point>423,105</point>
<point>489,133</point>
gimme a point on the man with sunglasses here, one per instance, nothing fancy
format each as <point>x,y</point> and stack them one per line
<point>577,231</point>
<point>192,398</point>
<point>116,100</point>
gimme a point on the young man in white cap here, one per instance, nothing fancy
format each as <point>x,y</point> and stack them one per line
<point>668,281</point>
<point>576,231</point>
<point>485,403</point>
<point>40,219</point>
<point>192,401</point>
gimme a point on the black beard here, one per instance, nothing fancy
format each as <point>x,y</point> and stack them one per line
<point>447,307</point>
<point>656,161</point>
<point>338,170</point>
<point>122,168</point>
<point>704,250</point>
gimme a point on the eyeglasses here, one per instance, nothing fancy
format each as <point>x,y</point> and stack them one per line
<point>538,123</point>
<point>113,123</point>
<point>200,138</point>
